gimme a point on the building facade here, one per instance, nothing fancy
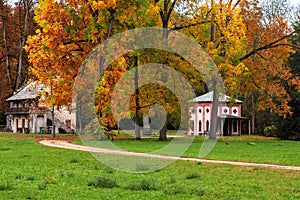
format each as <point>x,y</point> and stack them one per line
<point>27,113</point>
<point>229,119</point>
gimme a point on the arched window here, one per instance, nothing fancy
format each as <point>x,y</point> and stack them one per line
<point>207,125</point>
<point>200,126</point>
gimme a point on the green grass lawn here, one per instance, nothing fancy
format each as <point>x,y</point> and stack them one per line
<point>245,148</point>
<point>32,171</point>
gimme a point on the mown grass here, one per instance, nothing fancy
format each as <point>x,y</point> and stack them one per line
<point>244,148</point>
<point>57,176</point>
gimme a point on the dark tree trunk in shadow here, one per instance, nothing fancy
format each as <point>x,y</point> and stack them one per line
<point>137,130</point>
<point>163,132</point>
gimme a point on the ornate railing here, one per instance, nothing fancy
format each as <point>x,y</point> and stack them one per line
<point>25,110</point>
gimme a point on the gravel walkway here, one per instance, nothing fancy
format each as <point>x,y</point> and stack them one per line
<point>67,145</point>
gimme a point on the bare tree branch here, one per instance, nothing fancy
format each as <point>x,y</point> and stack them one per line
<point>189,25</point>
<point>268,46</point>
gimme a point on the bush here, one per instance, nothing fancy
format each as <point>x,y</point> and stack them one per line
<point>5,185</point>
<point>30,178</point>
<point>4,149</point>
<point>108,170</point>
<point>196,190</point>
<point>133,186</point>
<point>29,196</point>
<point>42,186</point>
<point>74,160</point>
<point>270,131</point>
<point>148,184</point>
<point>18,176</point>
<point>192,175</point>
<point>103,182</point>
<point>171,180</point>
<point>145,184</point>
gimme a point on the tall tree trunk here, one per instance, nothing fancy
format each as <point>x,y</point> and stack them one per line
<point>80,114</point>
<point>165,14</point>
<point>214,115</point>
<point>102,57</point>
<point>137,130</point>
<point>53,124</point>
<point>22,41</point>
<point>118,127</point>
<point>163,132</point>
<point>253,114</point>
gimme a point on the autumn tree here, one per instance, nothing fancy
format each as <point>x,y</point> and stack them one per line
<point>250,47</point>
<point>268,48</point>
<point>247,42</point>
<point>288,128</point>
<point>16,23</point>
<point>69,31</point>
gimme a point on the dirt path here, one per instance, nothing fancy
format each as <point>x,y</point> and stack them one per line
<point>67,145</point>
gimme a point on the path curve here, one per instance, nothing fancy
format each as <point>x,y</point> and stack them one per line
<point>67,145</point>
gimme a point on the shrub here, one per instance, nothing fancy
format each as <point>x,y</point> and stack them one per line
<point>18,176</point>
<point>133,186</point>
<point>74,160</point>
<point>196,190</point>
<point>29,196</point>
<point>145,184</point>
<point>5,185</point>
<point>270,131</point>
<point>192,175</point>
<point>103,182</point>
<point>148,184</point>
<point>171,180</point>
<point>42,186</point>
<point>30,178</point>
<point>108,170</point>
<point>4,148</point>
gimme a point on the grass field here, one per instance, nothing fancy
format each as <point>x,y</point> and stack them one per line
<point>245,148</point>
<point>32,171</point>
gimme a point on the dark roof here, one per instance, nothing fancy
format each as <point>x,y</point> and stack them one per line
<point>31,91</point>
<point>208,97</point>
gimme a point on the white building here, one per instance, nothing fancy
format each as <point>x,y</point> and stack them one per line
<point>229,120</point>
<point>27,113</point>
